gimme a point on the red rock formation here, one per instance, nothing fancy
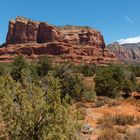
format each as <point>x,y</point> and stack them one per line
<point>47,33</point>
<point>76,44</point>
<point>126,52</point>
<point>21,31</point>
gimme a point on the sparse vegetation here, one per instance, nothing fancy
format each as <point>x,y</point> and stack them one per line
<point>88,70</point>
<point>136,70</point>
<point>120,119</point>
<point>32,109</point>
<point>117,127</point>
<point>68,27</point>
<point>43,65</point>
<point>110,134</point>
<point>41,96</point>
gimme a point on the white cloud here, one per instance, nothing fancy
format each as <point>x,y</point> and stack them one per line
<point>130,40</point>
<point>129,19</point>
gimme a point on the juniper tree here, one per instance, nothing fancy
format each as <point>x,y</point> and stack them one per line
<point>34,113</point>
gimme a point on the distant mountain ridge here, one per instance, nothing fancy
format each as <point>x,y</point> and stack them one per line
<point>126,52</point>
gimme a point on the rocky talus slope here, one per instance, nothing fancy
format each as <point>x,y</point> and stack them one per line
<point>67,43</point>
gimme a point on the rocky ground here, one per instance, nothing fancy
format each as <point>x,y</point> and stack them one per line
<point>110,119</point>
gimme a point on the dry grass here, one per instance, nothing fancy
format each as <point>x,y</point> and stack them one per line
<point>102,101</point>
<point>133,134</point>
<point>116,127</point>
<point>110,134</point>
<point>122,119</point>
<point>115,119</point>
<point>119,119</point>
<point>116,134</point>
<point>134,102</point>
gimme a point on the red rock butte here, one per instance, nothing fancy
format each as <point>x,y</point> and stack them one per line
<point>77,44</point>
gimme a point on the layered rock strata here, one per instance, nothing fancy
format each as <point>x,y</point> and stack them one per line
<point>68,43</point>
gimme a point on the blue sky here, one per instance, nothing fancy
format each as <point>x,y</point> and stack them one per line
<point>116,19</point>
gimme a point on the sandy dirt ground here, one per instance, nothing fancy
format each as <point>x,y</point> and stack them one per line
<point>95,113</point>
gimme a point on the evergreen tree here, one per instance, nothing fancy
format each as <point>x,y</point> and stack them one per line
<point>71,83</point>
<point>43,65</point>
<point>17,66</point>
<point>34,113</point>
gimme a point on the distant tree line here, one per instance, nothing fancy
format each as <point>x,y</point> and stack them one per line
<point>70,27</point>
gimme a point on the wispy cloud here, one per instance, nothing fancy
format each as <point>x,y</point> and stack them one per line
<point>130,40</point>
<point>129,19</point>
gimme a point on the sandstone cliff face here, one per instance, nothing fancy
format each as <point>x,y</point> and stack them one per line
<point>23,30</point>
<point>83,37</point>
<point>76,44</point>
<point>126,52</point>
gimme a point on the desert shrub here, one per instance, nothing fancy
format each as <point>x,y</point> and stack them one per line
<point>81,113</point>
<point>17,66</point>
<point>89,94</point>
<point>111,80</point>
<point>129,82</point>
<point>68,27</point>
<point>88,70</point>
<point>138,86</point>
<point>30,112</point>
<point>134,102</point>
<point>105,121</point>
<point>106,87</point>
<point>4,68</point>
<point>133,134</point>
<point>81,104</point>
<point>128,86</point>
<point>20,69</point>
<point>44,65</point>
<point>71,83</point>
<point>119,133</point>
<point>121,129</point>
<point>107,82</point>
<point>109,134</point>
<point>136,70</point>
<point>102,101</point>
<point>119,119</point>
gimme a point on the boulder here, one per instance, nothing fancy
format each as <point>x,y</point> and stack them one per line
<point>87,129</point>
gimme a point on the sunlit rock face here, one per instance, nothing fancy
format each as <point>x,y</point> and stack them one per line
<point>78,44</point>
<point>126,52</point>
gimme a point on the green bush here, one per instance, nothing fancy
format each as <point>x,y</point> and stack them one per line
<point>89,94</point>
<point>88,70</point>
<point>106,84</point>
<point>71,83</point>
<point>17,66</point>
<point>138,87</point>
<point>128,86</point>
<point>43,65</point>
<point>30,112</point>
<point>4,68</point>
<point>111,80</point>
<point>136,70</point>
